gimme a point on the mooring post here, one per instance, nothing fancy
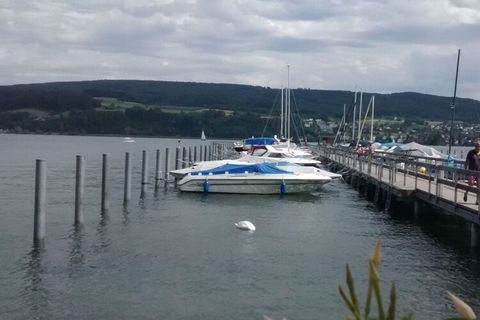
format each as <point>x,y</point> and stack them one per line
<point>105,186</point>
<point>158,172</point>
<point>194,154</point>
<point>79,189</point>
<point>39,215</point>
<point>189,156</point>
<point>205,153</point>
<point>127,186</point>
<point>416,209</point>
<point>177,158</point>
<point>184,158</point>
<point>167,169</point>
<point>474,235</point>
<point>144,174</point>
<point>210,152</point>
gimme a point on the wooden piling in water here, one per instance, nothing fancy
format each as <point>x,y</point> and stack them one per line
<point>177,158</point>
<point>194,154</point>
<point>144,174</point>
<point>189,156</point>
<point>205,153</point>
<point>474,235</point>
<point>167,169</point>
<point>79,189</point>
<point>184,157</point>
<point>158,172</point>
<point>105,186</point>
<point>39,215</point>
<point>127,187</point>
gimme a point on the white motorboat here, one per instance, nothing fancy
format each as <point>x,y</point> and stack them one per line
<point>273,154</point>
<point>128,139</point>
<point>259,178</point>
<point>284,165</point>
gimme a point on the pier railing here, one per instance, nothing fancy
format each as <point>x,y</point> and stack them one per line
<point>442,179</point>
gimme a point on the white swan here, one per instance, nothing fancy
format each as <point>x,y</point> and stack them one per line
<point>245,225</point>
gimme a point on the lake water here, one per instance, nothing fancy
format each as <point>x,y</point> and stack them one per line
<point>178,256</point>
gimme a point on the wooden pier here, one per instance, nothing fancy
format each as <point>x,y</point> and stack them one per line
<point>435,182</point>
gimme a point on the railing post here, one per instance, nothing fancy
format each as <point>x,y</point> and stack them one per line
<point>416,174</point>
<point>39,215</point>
<point>429,178</point>
<point>79,189</point>
<point>189,157</point>
<point>194,154</point>
<point>455,181</point>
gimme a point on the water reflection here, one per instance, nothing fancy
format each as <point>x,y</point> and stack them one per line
<point>103,240</point>
<point>35,293</point>
<point>76,253</point>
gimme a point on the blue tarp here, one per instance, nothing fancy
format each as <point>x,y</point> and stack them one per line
<point>264,167</point>
<point>260,141</point>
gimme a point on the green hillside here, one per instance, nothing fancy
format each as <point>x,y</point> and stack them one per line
<point>185,108</point>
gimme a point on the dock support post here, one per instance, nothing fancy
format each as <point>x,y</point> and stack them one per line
<point>189,157</point>
<point>177,158</point>
<point>474,235</point>
<point>39,216</point>
<point>194,154</point>
<point>416,209</point>
<point>184,157</point>
<point>158,172</point>
<point>167,169</point>
<point>144,174</point>
<point>105,186</point>
<point>79,189</point>
<point>127,186</point>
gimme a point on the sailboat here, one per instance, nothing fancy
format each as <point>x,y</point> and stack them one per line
<point>202,137</point>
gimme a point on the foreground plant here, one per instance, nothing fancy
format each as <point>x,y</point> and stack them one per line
<point>375,293</point>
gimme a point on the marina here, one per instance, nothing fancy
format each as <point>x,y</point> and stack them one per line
<point>160,254</point>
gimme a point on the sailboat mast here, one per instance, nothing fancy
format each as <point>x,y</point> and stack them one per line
<point>281,116</point>
<point>354,114</point>
<point>452,106</point>
<point>373,115</point>
<point>288,102</point>
<point>360,116</point>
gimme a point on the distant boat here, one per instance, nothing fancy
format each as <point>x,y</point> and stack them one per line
<point>128,139</point>
<point>203,136</point>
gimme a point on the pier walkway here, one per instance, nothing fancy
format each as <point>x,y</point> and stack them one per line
<point>436,182</point>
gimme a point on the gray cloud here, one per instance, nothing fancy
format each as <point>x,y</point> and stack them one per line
<point>383,46</point>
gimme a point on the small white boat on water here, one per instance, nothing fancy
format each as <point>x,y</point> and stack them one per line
<point>258,178</point>
<point>202,136</point>
<point>128,140</point>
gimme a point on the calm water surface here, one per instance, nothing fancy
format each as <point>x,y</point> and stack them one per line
<point>178,256</point>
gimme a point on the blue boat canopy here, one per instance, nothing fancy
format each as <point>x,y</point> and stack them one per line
<point>264,167</point>
<point>260,141</point>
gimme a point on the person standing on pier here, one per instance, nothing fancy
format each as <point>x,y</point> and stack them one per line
<point>472,162</point>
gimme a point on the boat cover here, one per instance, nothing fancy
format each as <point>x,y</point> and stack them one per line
<point>264,168</point>
<point>260,141</point>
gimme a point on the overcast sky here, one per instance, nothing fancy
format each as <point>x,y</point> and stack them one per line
<point>378,45</point>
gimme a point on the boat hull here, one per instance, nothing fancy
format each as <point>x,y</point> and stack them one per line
<point>251,185</point>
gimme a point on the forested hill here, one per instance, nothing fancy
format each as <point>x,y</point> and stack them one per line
<point>63,96</point>
<point>164,108</point>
